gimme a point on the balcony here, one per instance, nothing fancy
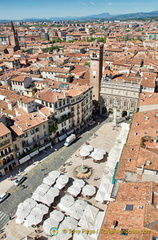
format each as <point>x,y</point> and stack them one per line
<point>65,117</point>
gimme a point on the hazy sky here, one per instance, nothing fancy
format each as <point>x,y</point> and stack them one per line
<point>19,9</point>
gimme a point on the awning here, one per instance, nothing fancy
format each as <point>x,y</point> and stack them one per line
<point>42,148</point>
<point>47,145</point>
<point>34,153</point>
<point>24,159</point>
<point>62,137</point>
<point>71,131</point>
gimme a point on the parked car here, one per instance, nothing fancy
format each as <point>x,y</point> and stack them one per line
<point>4,196</point>
<point>19,180</point>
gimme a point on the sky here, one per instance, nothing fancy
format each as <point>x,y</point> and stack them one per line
<point>20,9</point>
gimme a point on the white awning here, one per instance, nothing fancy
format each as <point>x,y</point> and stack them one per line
<point>47,145</point>
<point>34,153</point>
<point>42,148</point>
<point>24,159</point>
<point>62,137</point>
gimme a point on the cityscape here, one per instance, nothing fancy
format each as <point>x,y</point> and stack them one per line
<point>78,117</point>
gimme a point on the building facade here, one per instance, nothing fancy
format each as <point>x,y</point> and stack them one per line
<point>122,96</point>
<point>8,160</point>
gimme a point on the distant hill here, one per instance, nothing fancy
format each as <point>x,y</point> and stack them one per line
<point>103,16</point>
<point>95,16</point>
<point>136,15</point>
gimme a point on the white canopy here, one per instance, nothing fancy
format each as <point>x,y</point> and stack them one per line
<point>66,202</point>
<point>48,224</point>
<point>98,154</point>
<point>29,202</point>
<point>43,209</point>
<point>90,213</point>
<point>42,189</point>
<point>60,235</point>
<point>80,203</point>
<point>61,181</point>
<point>57,215</point>
<point>79,183</point>
<point>36,196</point>
<point>49,197</point>
<point>70,223</point>
<point>49,180</point>
<point>84,153</point>
<point>88,190</point>
<point>54,174</point>
<point>86,150</point>
<point>80,234</point>
<point>74,190</point>
<point>75,212</point>
<point>22,211</point>
<point>33,219</point>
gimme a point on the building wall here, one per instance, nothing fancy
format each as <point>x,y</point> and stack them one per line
<point>32,138</point>
<point>7,154</point>
<point>122,96</point>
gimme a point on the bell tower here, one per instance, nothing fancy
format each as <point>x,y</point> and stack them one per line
<point>14,42</point>
<point>96,64</point>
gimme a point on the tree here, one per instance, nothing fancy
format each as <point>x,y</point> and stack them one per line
<point>50,49</point>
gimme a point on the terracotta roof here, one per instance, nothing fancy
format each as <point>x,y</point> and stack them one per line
<point>3,130</point>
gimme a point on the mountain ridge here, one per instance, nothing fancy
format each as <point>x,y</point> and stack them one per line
<point>105,16</point>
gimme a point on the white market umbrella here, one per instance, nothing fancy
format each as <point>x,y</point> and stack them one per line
<point>42,189</point>
<point>66,202</point>
<point>29,202</point>
<point>87,148</point>
<point>49,180</point>
<point>22,211</point>
<point>81,204</point>
<point>79,183</point>
<point>54,174</point>
<point>43,209</point>
<point>61,181</point>
<point>33,219</point>
<point>49,197</point>
<point>74,191</point>
<point>98,154</point>
<point>75,212</point>
<point>88,190</point>
<point>48,224</point>
<point>61,235</point>
<point>69,222</point>
<point>79,234</point>
<point>36,196</point>
<point>57,215</point>
<point>84,153</point>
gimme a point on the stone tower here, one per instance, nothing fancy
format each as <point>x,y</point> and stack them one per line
<point>96,64</point>
<point>14,42</point>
